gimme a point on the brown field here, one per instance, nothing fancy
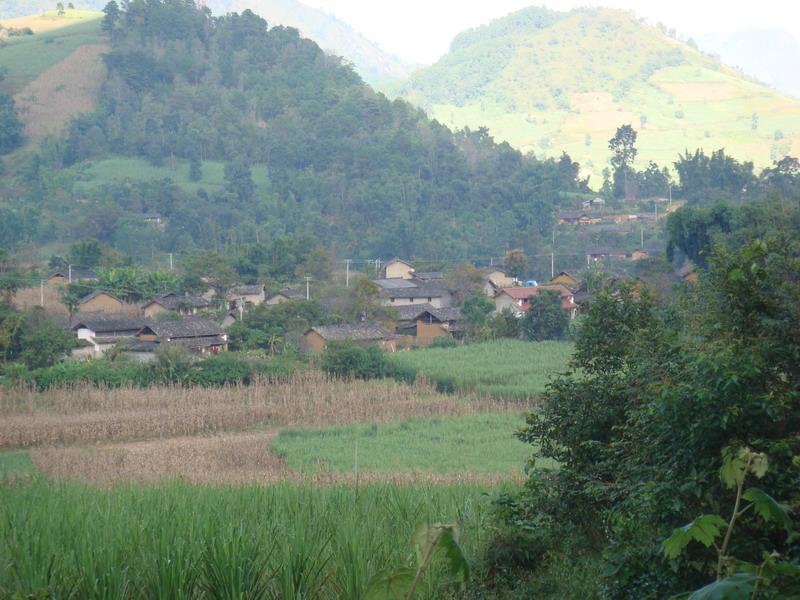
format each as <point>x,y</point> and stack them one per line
<point>31,297</point>
<point>65,90</point>
<point>214,435</point>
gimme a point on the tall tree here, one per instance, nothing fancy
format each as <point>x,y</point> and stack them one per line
<point>623,147</point>
<point>111,17</point>
<point>10,125</point>
<point>516,263</point>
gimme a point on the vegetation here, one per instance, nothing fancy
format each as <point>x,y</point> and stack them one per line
<point>474,444</point>
<point>507,369</point>
<point>282,541</point>
<point>348,359</point>
<point>665,398</point>
<point>548,82</point>
<point>545,319</point>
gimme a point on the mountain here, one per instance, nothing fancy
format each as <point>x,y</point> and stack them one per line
<point>770,55</point>
<point>548,81</point>
<point>333,35</point>
<point>235,132</point>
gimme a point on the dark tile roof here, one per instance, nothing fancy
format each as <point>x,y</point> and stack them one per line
<point>448,314</point>
<point>422,289</point>
<point>608,252</point>
<point>103,323</point>
<point>362,332</point>
<point>396,283</point>
<point>186,328</point>
<point>410,312</point>
<point>173,301</point>
<point>291,294</point>
<point>97,293</point>
<point>569,215</point>
<point>427,276</point>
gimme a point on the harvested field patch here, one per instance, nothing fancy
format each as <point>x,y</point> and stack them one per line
<point>51,20</point>
<point>65,90</point>
<point>88,415</point>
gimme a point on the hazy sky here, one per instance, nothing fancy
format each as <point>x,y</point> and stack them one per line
<point>421,30</point>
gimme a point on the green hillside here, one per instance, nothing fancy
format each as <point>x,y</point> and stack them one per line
<point>549,81</point>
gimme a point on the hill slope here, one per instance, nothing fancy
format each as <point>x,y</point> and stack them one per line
<point>332,35</point>
<point>549,81</point>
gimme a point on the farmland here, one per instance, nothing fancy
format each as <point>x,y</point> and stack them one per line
<point>508,368</point>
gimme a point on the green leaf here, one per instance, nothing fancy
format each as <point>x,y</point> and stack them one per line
<point>767,507</point>
<point>390,585</point>
<point>456,561</point>
<point>441,540</point>
<point>735,587</point>
<point>704,529</point>
<point>759,464</point>
<point>734,464</point>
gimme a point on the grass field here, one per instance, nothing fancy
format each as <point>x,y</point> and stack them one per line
<point>473,444</point>
<point>508,369</point>
<point>179,541</point>
<point>27,57</point>
<point>132,169</point>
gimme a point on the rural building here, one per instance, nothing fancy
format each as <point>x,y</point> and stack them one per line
<point>423,323</point>
<point>600,253</point>
<point>154,219</point>
<point>398,269</point>
<point>566,279</point>
<point>403,292</point>
<point>495,279</point>
<point>284,296</point>
<point>246,295</point>
<point>198,335</point>
<point>232,317</point>
<point>317,338</point>
<point>593,203</point>
<point>518,298</point>
<point>99,333</point>
<point>101,301</point>
<point>576,217</point>
<point>428,276</point>
<point>72,275</point>
<point>171,302</point>
<point>687,272</point>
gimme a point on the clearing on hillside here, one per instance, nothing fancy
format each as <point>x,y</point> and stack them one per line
<point>63,91</point>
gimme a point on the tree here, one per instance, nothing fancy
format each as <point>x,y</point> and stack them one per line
<point>60,9</point>
<point>239,179</point>
<point>516,263</point>
<point>10,125</point>
<point>85,253</point>
<point>623,147</point>
<point>10,277</point>
<point>462,280</point>
<point>545,319</point>
<point>209,269</point>
<point>195,169</point>
<point>43,342</point>
<point>111,17</point>
<point>475,311</point>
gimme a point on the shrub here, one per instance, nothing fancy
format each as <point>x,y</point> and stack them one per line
<point>348,359</point>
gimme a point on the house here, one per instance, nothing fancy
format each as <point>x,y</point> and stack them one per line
<point>565,279</point>
<point>402,292</point>
<point>593,203</point>
<point>100,301</point>
<point>573,217</point>
<point>99,333</point>
<point>518,298</point>
<point>428,276</point>
<point>317,338</point>
<point>197,335</point>
<point>398,269</point>
<point>154,219</point>
<point>185,305</point>
<point>494,279</point>
<point>72,275</point>
<point>284,296</point>
<point>233,316</point>
<point>423,323</point>
<point>246,295</point>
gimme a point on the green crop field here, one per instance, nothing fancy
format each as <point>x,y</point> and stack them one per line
<point>507,368</point>
<point>24,58</point>
<point>133,169</point>
<point>15,463</point>
<point>178,541</point>
<point>472,444</point>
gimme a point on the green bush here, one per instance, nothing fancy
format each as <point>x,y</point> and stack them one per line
<point>347,359</point>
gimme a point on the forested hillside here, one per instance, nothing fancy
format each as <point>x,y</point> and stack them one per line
<point>550,81</point>
<point>256,133</point>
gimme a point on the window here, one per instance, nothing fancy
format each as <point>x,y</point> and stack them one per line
<point>430,299</point>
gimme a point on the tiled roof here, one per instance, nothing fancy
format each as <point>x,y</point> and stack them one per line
<point>422,289</point>
<point>427,276</point>
<point>173,301</point>
<point>78,274</point>
<point>410,312</point>
<point>186,328</point>
<point>102,323</point>
<point>396,283</point>
<point>247,290</point>
<point>448,314</point>
<point>292,294</point>
<point>525,293</point>
<point>363,332</point>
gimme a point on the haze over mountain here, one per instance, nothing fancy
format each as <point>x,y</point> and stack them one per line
<point>770,55</point>
<point>548,81</point>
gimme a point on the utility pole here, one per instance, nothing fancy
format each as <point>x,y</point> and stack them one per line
<point>642,237</point>
<point>669,186</point>
<point>656,207</point>
<point>587,260</point>
<point>347,272</point>
<point>69,278</point>
<point>41,293</point>
<point>552,265</point>
<point>308,288</point>
<point>377,268</point>
<point>554,238</point>
<point>171,266</point>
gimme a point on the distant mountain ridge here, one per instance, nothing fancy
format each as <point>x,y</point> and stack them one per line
<point>548,81</point>
<point>333,35</point>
